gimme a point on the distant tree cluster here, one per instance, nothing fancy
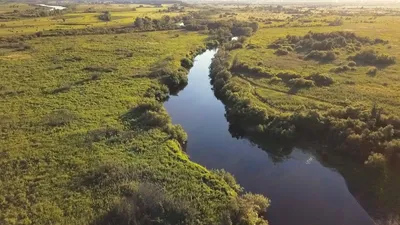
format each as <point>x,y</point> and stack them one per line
<point>324,41</point>
<point>164,23</point>
<point>106,16</point>
<point>38,12</point>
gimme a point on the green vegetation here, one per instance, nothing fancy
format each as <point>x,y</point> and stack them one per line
<point>310,76</point>
<point>85,138</point>
<point>315,109</point>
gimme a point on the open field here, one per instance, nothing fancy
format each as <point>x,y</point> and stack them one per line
<point>77,17</point>
<point>85,138</point>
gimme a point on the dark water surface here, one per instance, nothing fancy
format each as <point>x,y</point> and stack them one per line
<point>302,190</point>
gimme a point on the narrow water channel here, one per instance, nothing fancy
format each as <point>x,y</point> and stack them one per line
<point>302,190</point>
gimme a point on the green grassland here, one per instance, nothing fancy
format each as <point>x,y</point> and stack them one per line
<point>351,87</point>
<point>306,77</point>
<point>355,87</point>
<point>85,139</point>
<point>78,17</point>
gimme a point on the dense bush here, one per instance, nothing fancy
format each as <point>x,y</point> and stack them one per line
<point>301,83</point>
<point>146,116</point>
<point>106,16</point>
<point>341,69</point>
<point>371,57</point>
<point>336,22</point>
<point>242,31</point>
<point>321,55</point>
<point>233,45</point>
<point>281,51</point>
<point>158,92</point>
<point>149,204</point>
<point>186,63</point>
<point>324,42</point>
<point>321,79</point>
<point>176,132</point>
<point>239,67</point>
<point>176,81</point>
<point>352,64</point>
<point>288,75</point>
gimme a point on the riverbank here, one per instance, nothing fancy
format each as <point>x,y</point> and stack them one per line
<point>368,137</point>
<point>296,180</point>
<point>85,138</point>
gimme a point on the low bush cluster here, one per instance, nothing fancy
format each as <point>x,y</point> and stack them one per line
<point>355,131</point>
<point>373,58</point>
<point>341,69</point>
<point>323,56</point>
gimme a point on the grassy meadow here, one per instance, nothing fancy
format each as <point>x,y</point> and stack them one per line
<point>85,138</point>
<point>327,75</point>
<point>76,17</point>
<point>354,88</point>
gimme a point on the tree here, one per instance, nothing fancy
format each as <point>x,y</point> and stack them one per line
<point>139,23</point>
<point>106,16</point>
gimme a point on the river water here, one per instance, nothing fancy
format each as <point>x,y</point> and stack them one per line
<point>302,190</point>
<point>53,7</point>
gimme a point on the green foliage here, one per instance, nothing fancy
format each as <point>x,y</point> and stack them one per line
<point>281,51</point>
<point>352,64</point>
<point>371,57</point>
<point>85,151</point>
<point>301,82</point>
<point>186,63</point>
<point>341,69</point>
<point>321,56</point>
<point>106,16</point>
<point>321,79</point>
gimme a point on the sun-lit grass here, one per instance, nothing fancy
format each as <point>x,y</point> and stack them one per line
<point>76,18</point>
<point>351,88</point>
<point>45,168</point>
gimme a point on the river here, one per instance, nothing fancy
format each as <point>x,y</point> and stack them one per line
<point>301,189</point>
<point>53,7</point>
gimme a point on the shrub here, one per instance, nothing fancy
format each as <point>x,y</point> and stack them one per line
<point>186,63</point>
<point>176,81</point>
<point>288,75</point>
<point>301,83</point>
<point>329,56</point>
<point>106,16</point>
<point>352,64</point>
<point>371,57</point>
<point>242,31</point>
<point>321,79</point>
<point>341,69</point>
<point>281,52</point>
<point>274,46</point>
<point>229,179</point>
<point>275,80</point>
<point>146,116</point>
<point>233,45</point>
<point>146,203</point>
<point>158,92</point>
<point>176,132</point>
<point>336,22</point>
<point>321,55</point>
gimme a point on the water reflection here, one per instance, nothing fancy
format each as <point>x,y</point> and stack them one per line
<point>303,189</point>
